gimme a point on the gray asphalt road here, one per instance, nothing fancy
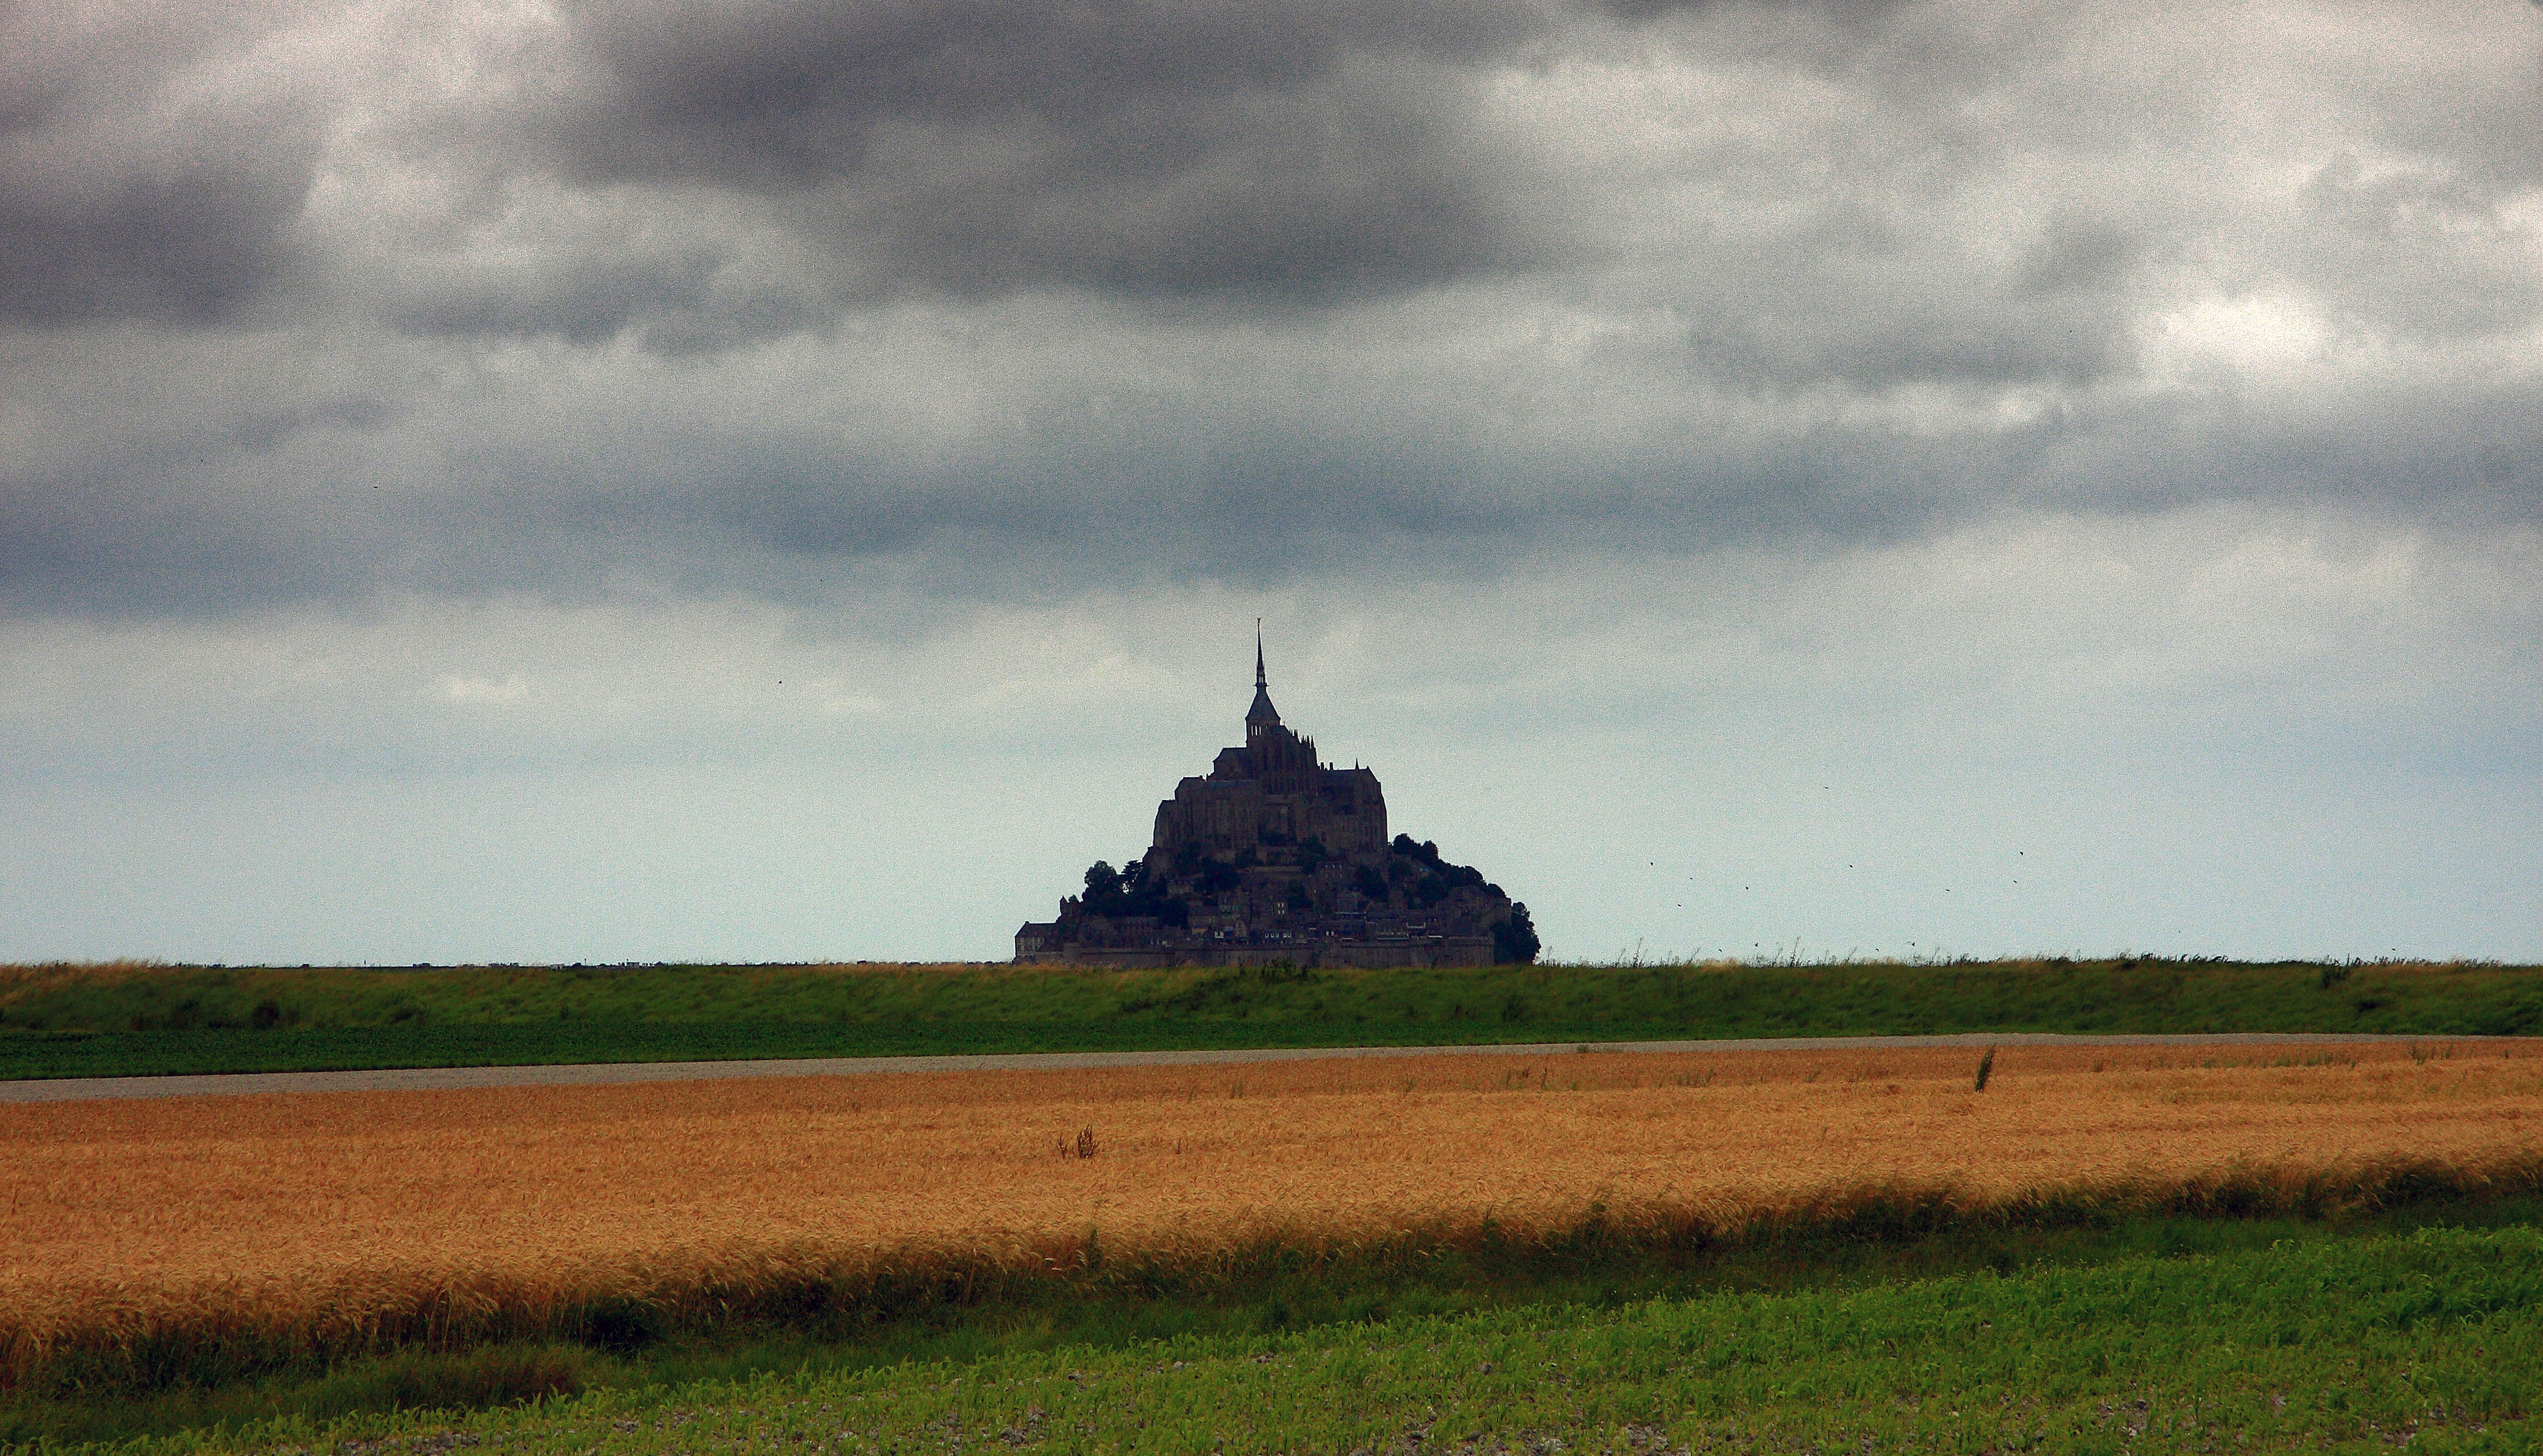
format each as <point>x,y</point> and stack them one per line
<point>426,1079</point>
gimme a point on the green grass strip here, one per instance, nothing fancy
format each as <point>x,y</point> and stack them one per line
<point>89,1021</point>
<point>2338,1344</point>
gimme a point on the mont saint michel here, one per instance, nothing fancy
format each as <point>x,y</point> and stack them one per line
<point>1273,856</point>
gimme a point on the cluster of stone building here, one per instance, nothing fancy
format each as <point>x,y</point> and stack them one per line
<point>1274,857</point>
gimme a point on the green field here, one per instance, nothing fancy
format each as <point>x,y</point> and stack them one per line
<point>77,1021</point>
<point>2155,1334</point>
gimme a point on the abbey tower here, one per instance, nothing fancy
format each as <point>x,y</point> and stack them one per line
<point>1271,785</point>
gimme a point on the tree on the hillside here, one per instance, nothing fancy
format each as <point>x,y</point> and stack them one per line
<point>1119,895</point>
<point>1514,940</point>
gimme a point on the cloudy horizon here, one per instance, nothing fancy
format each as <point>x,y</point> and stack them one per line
<point>702,479</point>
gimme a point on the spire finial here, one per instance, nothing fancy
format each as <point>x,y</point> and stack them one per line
<point>1257,652</point>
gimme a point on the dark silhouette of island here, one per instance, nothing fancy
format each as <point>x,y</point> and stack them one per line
<point>1274,857</point>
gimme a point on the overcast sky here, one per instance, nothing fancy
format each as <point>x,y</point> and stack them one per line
<point>536,480</point>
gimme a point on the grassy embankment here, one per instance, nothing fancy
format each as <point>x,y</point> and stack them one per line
<point>136,1019</point>
<point>2007,1334</point>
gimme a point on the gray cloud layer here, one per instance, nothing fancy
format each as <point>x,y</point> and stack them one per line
<point>297,304</point>
<point>1285,148</point>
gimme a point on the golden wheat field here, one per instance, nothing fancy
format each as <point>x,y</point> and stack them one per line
<point>289,1202</point>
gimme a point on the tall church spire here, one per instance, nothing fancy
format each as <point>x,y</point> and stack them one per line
<point>1262,716</point>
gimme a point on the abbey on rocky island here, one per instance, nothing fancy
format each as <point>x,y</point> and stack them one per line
<point>1275,857</point>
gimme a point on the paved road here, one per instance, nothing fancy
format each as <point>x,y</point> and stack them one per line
<point>423,1079</point>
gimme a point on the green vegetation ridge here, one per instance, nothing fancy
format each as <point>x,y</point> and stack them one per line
<point>2149,1334</point>
<point>77,1021</point>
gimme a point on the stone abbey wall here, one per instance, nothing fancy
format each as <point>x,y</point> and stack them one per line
<point>1230,809</point>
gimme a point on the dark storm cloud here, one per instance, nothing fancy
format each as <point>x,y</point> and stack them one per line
<point>719,293</point>
<point>795,92</point>
<point>190,244</point>
<point>128,191</point>
<point>1291,148</point>
<point>1273,499</point>
<point>113,539</point>
<point>1267,157</point>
